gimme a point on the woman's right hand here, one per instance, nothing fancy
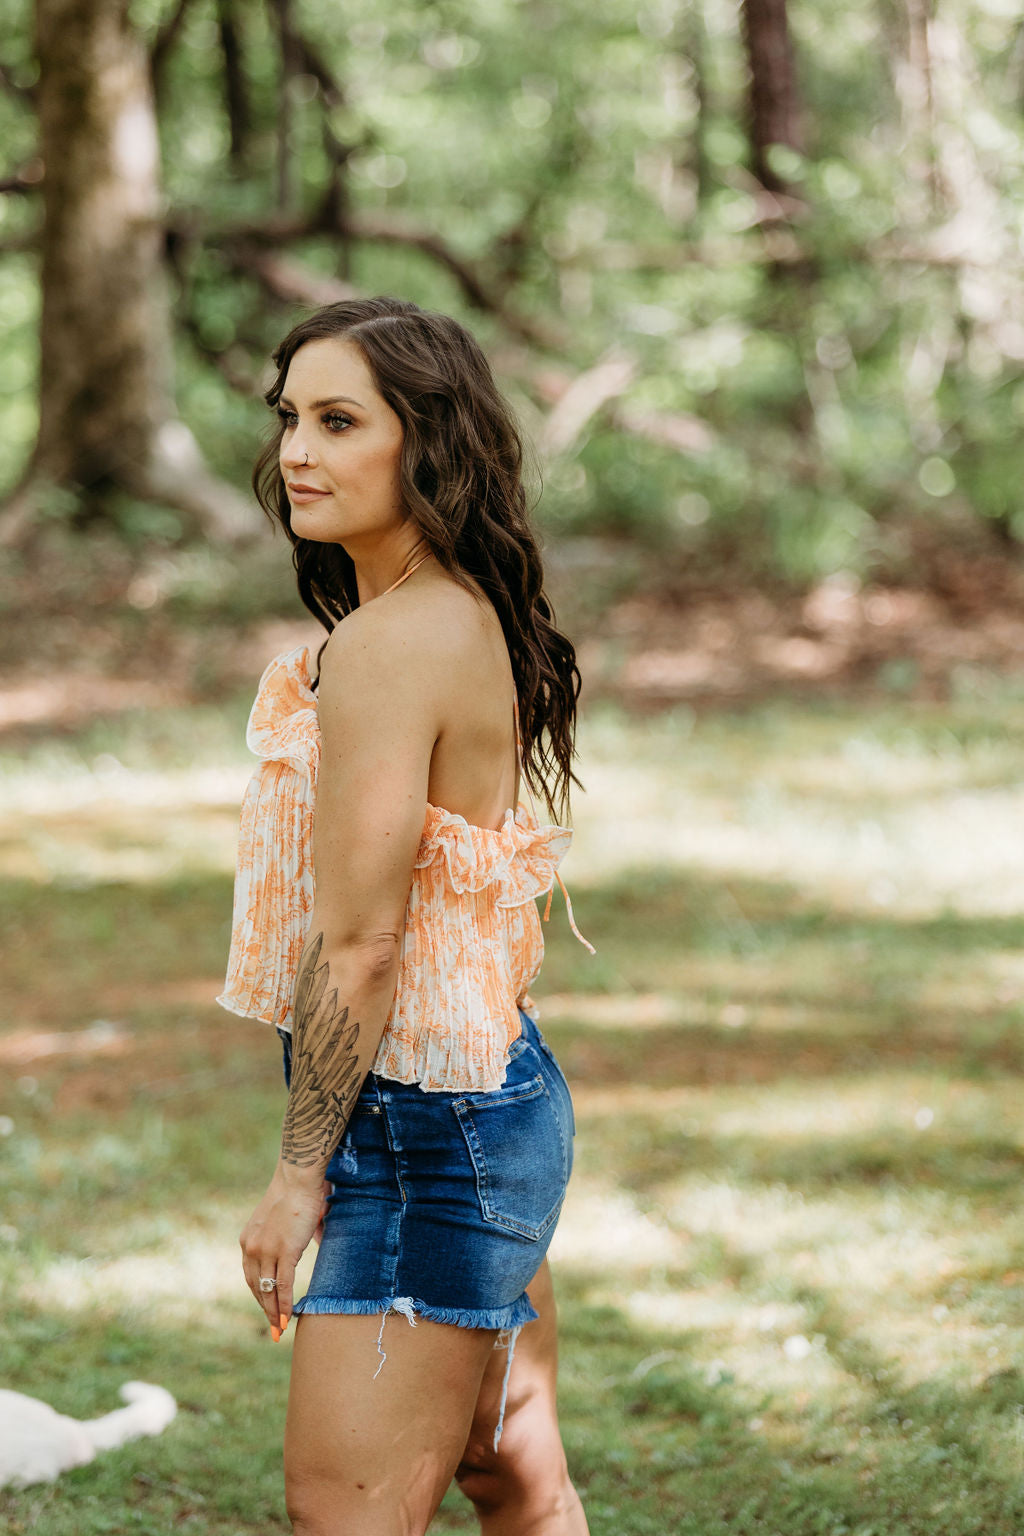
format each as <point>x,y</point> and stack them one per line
<point>275,1237</point>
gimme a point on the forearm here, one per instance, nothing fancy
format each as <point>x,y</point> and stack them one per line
<point>343,994</point>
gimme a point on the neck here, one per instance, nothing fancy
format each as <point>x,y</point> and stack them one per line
<point>380,569</point>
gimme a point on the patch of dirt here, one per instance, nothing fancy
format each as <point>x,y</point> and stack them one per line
<point>921,638</point>
<point>92,633</point>
<point>84,1070</point>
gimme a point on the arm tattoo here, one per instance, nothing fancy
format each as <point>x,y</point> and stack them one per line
<point>325,1073</point>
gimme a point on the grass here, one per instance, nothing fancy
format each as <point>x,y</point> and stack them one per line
<point>791,1265</point>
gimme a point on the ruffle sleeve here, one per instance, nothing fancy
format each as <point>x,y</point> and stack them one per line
<point>519,860</point>
<point>283,725</point>
<point>273,899</point>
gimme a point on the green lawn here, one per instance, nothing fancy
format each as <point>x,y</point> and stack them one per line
<point>791,1267</point>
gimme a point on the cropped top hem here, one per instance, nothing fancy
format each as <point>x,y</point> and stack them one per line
<point>472,943</point>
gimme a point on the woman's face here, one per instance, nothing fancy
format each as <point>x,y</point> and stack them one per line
<point>341,447</point>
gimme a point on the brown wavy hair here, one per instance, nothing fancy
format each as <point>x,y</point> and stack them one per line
<point>462,485</point>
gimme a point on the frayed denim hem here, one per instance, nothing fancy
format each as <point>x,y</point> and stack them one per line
<point>502,1318</point>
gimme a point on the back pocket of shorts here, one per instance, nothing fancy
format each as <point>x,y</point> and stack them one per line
<point>519,1153</point>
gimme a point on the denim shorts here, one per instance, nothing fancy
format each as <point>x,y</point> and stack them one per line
<point>444,1204</point>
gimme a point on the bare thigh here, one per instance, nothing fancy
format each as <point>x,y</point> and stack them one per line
<point>524,1484</point>
<point>371,1454</point>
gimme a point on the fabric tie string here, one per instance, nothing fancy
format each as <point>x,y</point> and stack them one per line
<point>568,912</point>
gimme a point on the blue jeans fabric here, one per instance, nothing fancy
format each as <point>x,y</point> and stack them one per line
<point>444,1204</point>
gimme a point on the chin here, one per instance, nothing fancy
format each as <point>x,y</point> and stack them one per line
<point>317,529</point>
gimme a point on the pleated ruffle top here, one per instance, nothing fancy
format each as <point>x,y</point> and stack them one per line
<point>472,944</point>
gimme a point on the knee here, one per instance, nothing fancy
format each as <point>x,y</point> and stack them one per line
<point>529,1473</point>
<point>481,1476</point>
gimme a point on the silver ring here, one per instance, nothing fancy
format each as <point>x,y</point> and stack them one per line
<point>305,461</point>
<point>267,1284</point>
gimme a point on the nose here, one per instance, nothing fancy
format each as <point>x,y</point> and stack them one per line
<point>295,454</point>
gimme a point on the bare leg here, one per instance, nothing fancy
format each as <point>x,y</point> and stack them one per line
<point>371,1454</point>
<point>523,1488</point>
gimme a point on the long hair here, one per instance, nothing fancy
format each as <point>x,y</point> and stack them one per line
<point>461,474</point>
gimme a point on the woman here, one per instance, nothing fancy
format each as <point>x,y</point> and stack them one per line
<point>392,939</point>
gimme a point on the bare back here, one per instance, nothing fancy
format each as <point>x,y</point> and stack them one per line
<point>473,767</point>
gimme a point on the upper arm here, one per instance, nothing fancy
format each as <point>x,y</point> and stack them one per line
<point>378,729</point>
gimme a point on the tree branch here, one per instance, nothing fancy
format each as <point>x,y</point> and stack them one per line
<point>382,228</point>
<point>582,399</point>
<point>236,97</point>
<point>678,430</point>
<point>597,391</point>
<point>573,401</point>
<point>313,63</point>
<point>336,203</point>
<point>288,280</point>
<point>243,382</point>
<point>290,57</point>
<point>167,36</point>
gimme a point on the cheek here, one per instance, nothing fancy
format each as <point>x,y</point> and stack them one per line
<point>382,465</point>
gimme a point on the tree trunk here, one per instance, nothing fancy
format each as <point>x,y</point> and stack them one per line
<point>290,65</point>
<point>107,415</point>
<point>235,95</point>
<point>773,102</point>
<point>698,41</point>
<point>916,93</point>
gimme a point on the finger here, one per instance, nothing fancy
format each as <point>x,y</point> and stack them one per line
<point>268,1299</point>
<point>285,1292</point>
<point>249,1268</point>
<point>254,1269</point>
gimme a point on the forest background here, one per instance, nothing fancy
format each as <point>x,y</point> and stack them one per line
<point>751,276</point>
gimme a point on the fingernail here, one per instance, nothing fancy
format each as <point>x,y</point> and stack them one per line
<point>275,1333</point>
<point>284,1323</point>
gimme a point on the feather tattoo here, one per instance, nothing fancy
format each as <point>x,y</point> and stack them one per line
<point>325,1071</point>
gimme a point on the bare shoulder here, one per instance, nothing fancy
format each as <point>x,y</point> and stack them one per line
<point>411,639</point>
<point>430,624</point>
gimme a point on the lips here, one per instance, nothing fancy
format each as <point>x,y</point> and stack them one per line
<point>297,491</point>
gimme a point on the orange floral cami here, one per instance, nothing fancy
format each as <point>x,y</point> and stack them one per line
<point>472,944</point>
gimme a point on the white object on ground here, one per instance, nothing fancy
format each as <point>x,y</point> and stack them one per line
<point>37,1443</point>
<point>797,1347</point>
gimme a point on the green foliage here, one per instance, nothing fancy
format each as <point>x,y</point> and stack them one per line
<point>853,354</point>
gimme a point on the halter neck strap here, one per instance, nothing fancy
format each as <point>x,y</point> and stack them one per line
<point>406,575</point>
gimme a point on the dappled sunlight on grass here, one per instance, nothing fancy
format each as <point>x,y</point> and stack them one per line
<point>138,798</point>
<point>177,1282</point>
<point>790,1265</point>
<point>911,813</point>
<point>121,826</point>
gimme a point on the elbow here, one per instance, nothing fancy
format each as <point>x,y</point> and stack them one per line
<point>380,957</point>
<point>371,959</point>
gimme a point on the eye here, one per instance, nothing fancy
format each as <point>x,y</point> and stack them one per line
<point>337,421</point>
<point>289,418</point>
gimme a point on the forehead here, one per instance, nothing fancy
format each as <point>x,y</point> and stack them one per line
<point>332,366</point>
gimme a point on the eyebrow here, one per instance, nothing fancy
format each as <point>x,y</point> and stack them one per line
<point>318,405</point>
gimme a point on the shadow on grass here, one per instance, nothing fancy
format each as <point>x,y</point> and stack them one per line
<point>660,1439</point>
<point>657,1441</point>
<point>668,1439</point>
<point>765,984</point>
